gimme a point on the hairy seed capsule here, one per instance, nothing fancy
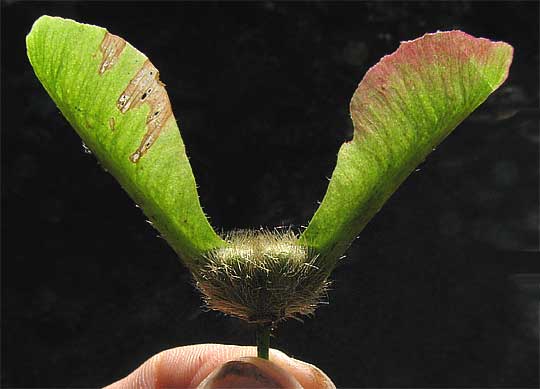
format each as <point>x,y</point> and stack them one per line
<point>262,277</point>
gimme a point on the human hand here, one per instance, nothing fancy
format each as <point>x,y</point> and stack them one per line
<point>209,366</point>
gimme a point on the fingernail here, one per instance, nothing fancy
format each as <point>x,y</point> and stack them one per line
<point>249,373</point>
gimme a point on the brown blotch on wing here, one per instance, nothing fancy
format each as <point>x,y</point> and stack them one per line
<point>111,47</point>
<point>146,88</point>
<point>112,124</point>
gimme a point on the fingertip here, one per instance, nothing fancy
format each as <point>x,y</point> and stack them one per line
<point>188,366</point>
<point>308,375</point>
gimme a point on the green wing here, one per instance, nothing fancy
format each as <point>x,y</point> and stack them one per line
<point>405,106</point>
<point>112,96</point>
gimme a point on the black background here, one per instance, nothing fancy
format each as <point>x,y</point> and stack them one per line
<point>427,296</point>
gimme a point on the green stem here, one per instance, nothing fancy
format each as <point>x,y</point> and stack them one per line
<point>263,340</point>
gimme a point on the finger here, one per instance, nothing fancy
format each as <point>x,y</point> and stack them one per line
<point>187,367</point>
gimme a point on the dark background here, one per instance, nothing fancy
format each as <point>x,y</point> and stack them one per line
<point>439,289</point>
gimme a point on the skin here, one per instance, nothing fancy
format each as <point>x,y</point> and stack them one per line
<point>216,365</point>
